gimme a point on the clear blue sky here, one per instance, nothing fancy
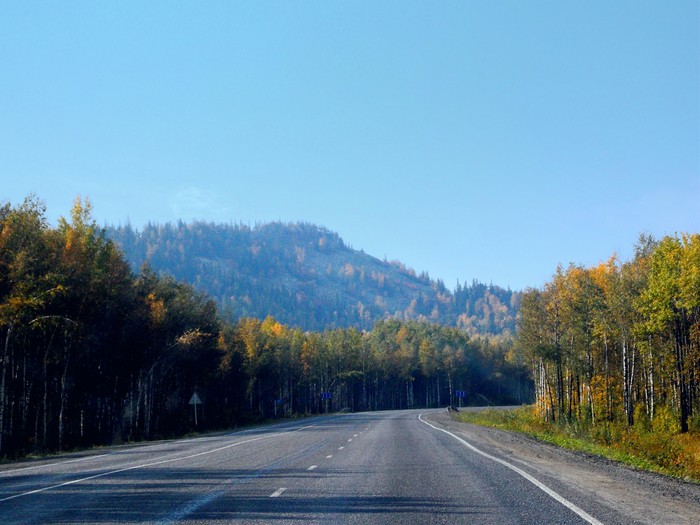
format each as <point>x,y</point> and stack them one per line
<point>472,140</point>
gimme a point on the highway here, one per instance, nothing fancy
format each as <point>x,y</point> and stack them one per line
<point>383,467</point>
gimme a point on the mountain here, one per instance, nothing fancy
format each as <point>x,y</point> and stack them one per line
<point>306,276</point>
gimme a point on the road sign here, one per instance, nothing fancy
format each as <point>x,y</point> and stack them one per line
<point>461,394</point>
<point>195,400</point>
<point>325,395</point>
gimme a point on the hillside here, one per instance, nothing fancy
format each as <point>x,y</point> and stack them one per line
<point>306,276</point>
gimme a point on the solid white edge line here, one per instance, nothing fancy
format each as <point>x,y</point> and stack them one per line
<point>142,446</point>
<point>561,499</point>
<point>144,465</point>
<point>47,465</point>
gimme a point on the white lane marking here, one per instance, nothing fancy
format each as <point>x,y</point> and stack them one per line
<point>278,492</point>
<point>312,467</point>
<point>144,465</point>
<point>341,448</point>
<point>349,440</point>
<point>561,499</point>
<point>46,465</point>
<point>354,435</point>
<point>329,456</point>
<point>190,508</point>
<point>141,447</point>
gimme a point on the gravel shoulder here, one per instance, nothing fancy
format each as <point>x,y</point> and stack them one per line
<point>642,497</point>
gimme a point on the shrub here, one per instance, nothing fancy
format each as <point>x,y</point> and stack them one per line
<point>665,421</point>
<point>642,421</point>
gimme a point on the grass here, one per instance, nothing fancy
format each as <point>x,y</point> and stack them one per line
<point>664,450</point>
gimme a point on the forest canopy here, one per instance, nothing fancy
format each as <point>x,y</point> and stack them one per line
<point>620,341</point>
<point>93,352</point>
<point>306,276</point>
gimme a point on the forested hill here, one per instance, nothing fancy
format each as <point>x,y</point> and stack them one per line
<point>306,276</point>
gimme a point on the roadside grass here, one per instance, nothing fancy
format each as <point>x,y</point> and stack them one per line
<point>662,450</point>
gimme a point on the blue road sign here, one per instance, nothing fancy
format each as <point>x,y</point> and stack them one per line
<point>460,393</point>
<point>325,395</point>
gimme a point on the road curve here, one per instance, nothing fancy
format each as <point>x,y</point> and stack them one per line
<point>382,467</point>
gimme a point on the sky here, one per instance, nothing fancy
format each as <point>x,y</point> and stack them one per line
<point>469,140</point>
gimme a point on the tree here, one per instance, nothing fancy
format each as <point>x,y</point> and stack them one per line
<point>670,303</point>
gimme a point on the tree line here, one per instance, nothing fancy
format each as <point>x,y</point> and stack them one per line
<point>93,353</point>
<point>619,342</point>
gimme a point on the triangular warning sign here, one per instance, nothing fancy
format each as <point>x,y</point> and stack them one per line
<point>194,400</point>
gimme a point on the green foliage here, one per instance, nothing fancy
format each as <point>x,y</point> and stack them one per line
<point>665,421</point>
<point>619,344</point>
<point>92,353</point>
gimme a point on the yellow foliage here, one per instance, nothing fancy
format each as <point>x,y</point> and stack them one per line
<point>156,309</point>
<point>272,327</point>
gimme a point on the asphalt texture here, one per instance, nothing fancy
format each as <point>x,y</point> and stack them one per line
<point>382,467</point>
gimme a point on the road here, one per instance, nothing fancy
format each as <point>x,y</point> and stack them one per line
<point>384,467</point>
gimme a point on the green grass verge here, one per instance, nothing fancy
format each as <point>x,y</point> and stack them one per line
<point>676,455</point>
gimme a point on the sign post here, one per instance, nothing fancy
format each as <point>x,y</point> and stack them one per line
<point>195,400</point>
<point>460,395</point>
<point>326,396</point>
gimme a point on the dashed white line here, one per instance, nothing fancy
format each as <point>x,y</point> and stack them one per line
<point>583,514</point>
<point>312,467</point>
<point>278,492</point>
<point>341,448</point>
<point>349,440</point>
<point>329,456</point>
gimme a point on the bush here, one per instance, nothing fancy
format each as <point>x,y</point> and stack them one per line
<point>694,423</point>
<point>665,421</point>
<point>606,433</point>
<point>658,447</point>
<point>642,421</point>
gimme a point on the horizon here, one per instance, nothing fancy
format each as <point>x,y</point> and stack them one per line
<point>261,224</point>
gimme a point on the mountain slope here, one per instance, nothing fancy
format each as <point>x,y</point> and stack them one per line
<point>306,276</point>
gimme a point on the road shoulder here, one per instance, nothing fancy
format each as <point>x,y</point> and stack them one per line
<point>644,497</point>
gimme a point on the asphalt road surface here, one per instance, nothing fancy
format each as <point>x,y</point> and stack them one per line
<point>383,467</point>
